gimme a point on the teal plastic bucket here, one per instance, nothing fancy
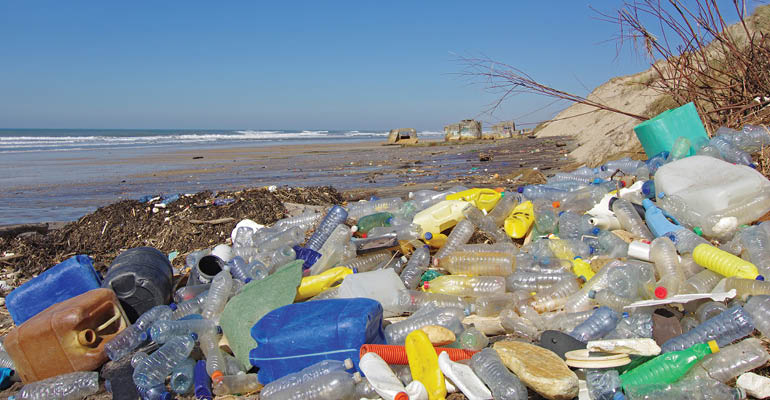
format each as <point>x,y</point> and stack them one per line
<point>659,134</point>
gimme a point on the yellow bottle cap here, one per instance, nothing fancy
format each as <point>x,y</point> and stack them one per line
<point>713,346</point>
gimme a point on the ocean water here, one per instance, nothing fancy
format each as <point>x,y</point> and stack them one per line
<point>50,140</point>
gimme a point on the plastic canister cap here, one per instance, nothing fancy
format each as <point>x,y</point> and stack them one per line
<point>401,396</point>
<point>713,346</point>
<point>595,231</point>
<point>216,376</point>
<point>426,285</point>
<point>618,396</point>
<point>698,231</point>
<point>556,204</point>
<point>661,292</point>
<point>639,250</point>
<point>760,278</point>
<point>520,189</point>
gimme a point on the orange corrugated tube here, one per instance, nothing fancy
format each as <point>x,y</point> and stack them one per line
<point>393,354</point>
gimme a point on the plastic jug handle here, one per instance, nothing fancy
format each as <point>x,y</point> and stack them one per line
<point>108,323</point>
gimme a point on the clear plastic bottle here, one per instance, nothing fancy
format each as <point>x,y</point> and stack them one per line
<point>280,257</point>
<point>731,361</point>
<point>239,269</point>
<point>757,244</point>
<point>417,265</point>
<point>157,392</point>
<point>181,381</point>
<point>162,331</point>
<point>611,244</point>
<point>189,292</point>
<point>603,384</point>
<point>335,385</point>
<point>305,375</point>
<point>426,198</point>
<point>625,164</point>
<point>6,361</point>
<point>686,240</point>
<point>448,317</point>
<point>708,310</point>
<point>601,322</point>
<point>289,237</point>
<point>189,307</point>
<point>758,307</point>
<point>630,220</point>
<point>535,281</point>
<point>574,226</point>
<point>486,224</point>
<point>410,301</point>
<point>405,232</point>
<point>72,386</point>
<point>733,324</point>
<point>332,251</point>
<point>565,322</point>
<point>154,369</point>
<point>500,380</point>
<point>663,254</point>
<point>747,287</point>
<point>504,208</point>
<point>545,193</point>
<point>220,290</point>
<point>304,221</point>
<point>631,280</point>
<point>609,299</point>
<point>476,263</point>
<point>215,359</point>
<point>337,215</point>
<point>460,235</point>
<point>236,384</point>
<point>368,262</point>
<point>702,282</point>
<point>130,338</point>
<point>471,339</point>
<point>686,389</point>
<point>363,208</point>
<point>518,325</point>
<point>546,220</point>
<point>493,304</point>
<point>556,296</point>
<point>730,152</point>
<point>471,286</point>
<point>489,247</point>
<point>636,325</point>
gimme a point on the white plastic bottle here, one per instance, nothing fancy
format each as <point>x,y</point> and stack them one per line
<point>464,378</point>
<point>382,378</point>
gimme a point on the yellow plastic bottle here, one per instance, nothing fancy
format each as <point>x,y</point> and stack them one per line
<point>582,268</point>
<point>723,263</point>
<point>441,216</point>
<point>518,224</point>
<point>423,362</point>
<point>483,199</point>
<point>315,284</point>
<point>436,241</point>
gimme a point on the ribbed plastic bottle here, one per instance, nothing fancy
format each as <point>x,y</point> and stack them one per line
<point>181,381</point>
<point>410,301</point>
<point>280,257</point>
<point>471,286</point>
<point>758,307</point>
<point>603,384</point>
<point>332,252</point>
<point>504,208</point>
<point>304,221</point>
<point>239,269</point>
<point>630,220</point>
<point>189,307</point>
<point>516,324</point>
<point>625,164</point>
<point>486,224</point>
<point>72,386</point>
<point>708,310</point>
<point>601,322</point>
<point>687,389</point>
<point>337,215</point>
<point>162,331</point>
<point>491,305</point>
<point>334,385</point>
<point>636,325</point>
<point>686,240</point>
<point>747,287</point>
<point>426,198</point>
<point>663,254</point>
<point>368,262</point>
<point>733,324</point>
<point>417,265</point>
<point>236,384</point>
<point>6,361</point>
<point>154,369</point>
<point>731,361</point>
<point>629,280</point>
<point>460,235</point>
<point>405,232</point>
<point>307,374</point>
<point>724,263</point>
<point>130,338</point>
<point>215,359</point>
<point>448,317</point>
<point>612,245</point>
<point>291,236</point>
<point>609,299</point>
<point>360,209</point>
<point>535,281</point>
<point>668,367</point>
<point>219,293</point>
<point>757,244</point>
<point>471,339</point>
<point>556,296</point>
<point>500,380</point>
<point>477,263</point>
<point>730,152</point>
<point>703,282</point>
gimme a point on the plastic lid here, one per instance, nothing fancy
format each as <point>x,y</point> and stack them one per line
<point>560,213</point>
<point>520,189</point>
<point>713,346</point>
<point>661,292</point>
<point>364,235</point>
<point>618,396</point>
<point>625,314</point>
<point>623,183</point>
<point>428,236</point>
<point>194,336</point>
<point>401,396</point>
<point>556,204</point>
<point>216,376</point>
<point>144,336</point>
<point>592,294</point>
<point>426,285</point>
<point>349,364</point>
<point>354,229</point>
<point>760,278</point>
<point>698,231</point>
<point>595,231</point>
<point>172,306</point>
<point>591,249</point>
<point>247,280</point>
<point>389,220</point>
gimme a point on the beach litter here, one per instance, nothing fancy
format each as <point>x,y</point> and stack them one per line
<point>636,279</point>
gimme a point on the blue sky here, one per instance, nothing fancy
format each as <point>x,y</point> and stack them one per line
<point>298,65</point>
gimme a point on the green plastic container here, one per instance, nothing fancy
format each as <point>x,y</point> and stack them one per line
<point>669,367</point>
<point>659,134</point>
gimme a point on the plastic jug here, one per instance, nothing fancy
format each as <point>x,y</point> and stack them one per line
<point>66,337</point>
<point>63,281</point>
<point>141,278</point>
<point>518,224</point>
<point>659,133</point>
<point>441,216</point>
<point>315,284</point>
<point>483,199</point>
<point>382,285</point>
<point>423,362</point>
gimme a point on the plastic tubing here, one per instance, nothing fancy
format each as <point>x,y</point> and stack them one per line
<point>396,354</point>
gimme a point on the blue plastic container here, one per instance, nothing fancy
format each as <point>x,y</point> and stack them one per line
<point>63,281</point>
<point>298,335</point>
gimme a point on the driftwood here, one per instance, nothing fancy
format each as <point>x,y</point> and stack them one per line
<point>11,231</point>
<point>212,221</point>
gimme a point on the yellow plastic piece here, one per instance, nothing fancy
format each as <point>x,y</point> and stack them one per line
<point>437,241</point>
<point>315,284</point>
<point>723,263</point>
<point>560,249</point>
<point>423,362</point>
<point>713,346</point>
<point>441,216</point>
<point>520,221</point>
<point>483,199</point>
<point>582,268</point>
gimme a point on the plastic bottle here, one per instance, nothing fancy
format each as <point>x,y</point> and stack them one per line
<point>724,263</point>
<point>304,221</point>
<point>162,331</point>
<point>332,251</point>
<point>154,369</point>
<point>491,305</point>
<point>181,381</point>
<point>368,262</point>
<point>157,392</point>
<point>501,381</point>
<point>410,301</point>
<point>669,367</point>
<point>731,361</point>
<point>574,226</point>
<point>426,198</point>
<point>546,220</point>
<point>609,299</point>
<point>471,339</point>
<point>629,280</point>
<point>189,307</point>
<point>601,322</point>
<point>202,382</point>
<point>460,235</point>
<point>334,385</point>
<point>382,378</point>
<point>515,324</point>
<point>703,282</point>
<point>504,208</point>
<point>727,327</point>
<point>535,281</point>
<point>663,254</point>
<point>73,386</point>
<point>236,384</point>
<point>448,317</point>
<point>337,215</point>
<point>305,375</point>
<point>730,152</point>
<point>367,222</point>
<point>686,240</point>
<point>189,292</point>
<point>464,378</point>
<point>280,257</point>
<point>215,360</point>
<point>466,285</point>
<point>473,263</point>
<point>423,362</point>
<point>130,338</point>
<point>630,220</point>
<point>687,389</point>
<point>758,307</point>
<point>360,209</point>
<point>636,325</point>
<point>417,265</point>
<point>289,237</point>
<point>757,244</point>
<point>708,310</point>
<point>486,224</point>
<point>603,384</point>
<point>555,297</point>
<point>216,300</point>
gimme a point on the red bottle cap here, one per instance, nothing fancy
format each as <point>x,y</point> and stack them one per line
<point>661,292</point>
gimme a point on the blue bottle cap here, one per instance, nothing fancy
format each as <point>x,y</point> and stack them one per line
<point>194,336</point>
<point>661,195</point>
<point>618,396</point>
<point>672,237</point>
<point>560,213</point>
<point>591,249</point>
<point>760,278</point>
<point>172,306</point>
<point>625,314</point>
<point>520,189</point>
<point>752,165</point>
<point>247,280</point>
<point>595,231</point>
<point>144,336</point>
<point>577,258</point>
<point>388,221</point>
<point>355,270</point>
<point>428,236</point>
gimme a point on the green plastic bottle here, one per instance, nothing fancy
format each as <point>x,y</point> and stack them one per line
<point>368,222</point>
<point>669,367</point>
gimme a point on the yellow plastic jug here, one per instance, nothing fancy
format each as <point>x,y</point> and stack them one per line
<point>483,199</point>
<point>423,362</point>
<point>441,216</point>
<point>518,224</point>
<point>315,284</point>
<point>723,263</point>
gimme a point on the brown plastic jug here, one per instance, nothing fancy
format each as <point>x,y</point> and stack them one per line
<point>66,337</point>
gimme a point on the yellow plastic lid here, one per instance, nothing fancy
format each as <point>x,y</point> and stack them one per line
<point>713,346</point>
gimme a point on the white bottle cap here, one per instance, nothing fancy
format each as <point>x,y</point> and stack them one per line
<point>639,250</point>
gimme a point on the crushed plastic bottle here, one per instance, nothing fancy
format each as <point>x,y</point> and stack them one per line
<point>727,327</point>
<point>130,338</point>
<point>603,384</point>
<point>334,385</point>
<point>305,375</point>
<point>72,386</point>
<point>334,217</point>
<point>154,369</point>
<point>416,266</point>
<point>601,322</point>
<point>236,384</point>
<point>448,317</point>
<point>630,220</point>
<point>500,380</point>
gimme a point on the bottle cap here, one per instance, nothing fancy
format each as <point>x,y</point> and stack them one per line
<point>216,376</point>
<point>172,306</point>
<point>560,213</point>
<point>401,396</point>
<point>364,235</point>
<point>556,204</point>
<point>595,231</point>
<point>625,314</point>
<point>428,236</point>
<point>623,183</point>
<point>698,231</point>
<point>713,346</point>
<point>520,189</point>
<point>354,229</point>
<point>661,195</point>
<point>194,336</point>
<point>661,292</point>
<point>426,285</point>
<point>592,294</point>
<point>760,278</point>
<point>618,396</point>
